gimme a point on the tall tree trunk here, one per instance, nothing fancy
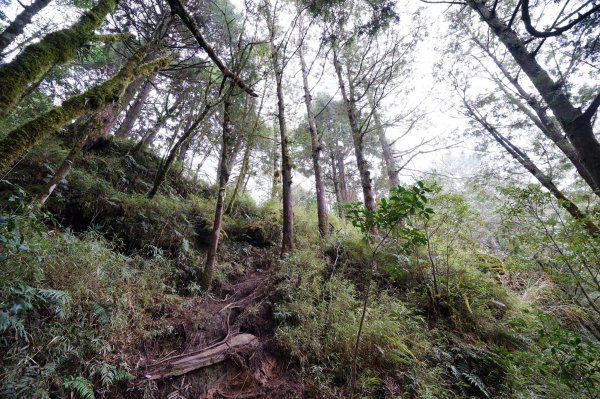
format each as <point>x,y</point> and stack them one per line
<point>134,111</point>
<point>17,26</point>
<point>386,149</point>
<point>541,177</point>
<point>336,185</point>
<point>246,158</point>
<point>23,138</point>
<point>241,177</point>
<point>357,137</point>
<point>343,181</point>
<point>576,123</point>
<point>315,150</point>
<point>276,180</point>
<point>187,135</point>
<point>547,125</point>
<point>287,240</point>
<point>54,49</point>
<point>225,163</point>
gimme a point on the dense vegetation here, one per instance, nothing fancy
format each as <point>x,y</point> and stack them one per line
<point>222,199</point>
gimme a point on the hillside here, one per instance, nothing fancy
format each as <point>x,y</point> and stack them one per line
<point>100,293</point>
<point>337,199</point>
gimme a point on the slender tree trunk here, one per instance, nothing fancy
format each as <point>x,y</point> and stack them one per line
<point>227,156</point>
<point>361,162</point>
<point>275,189</point>
<point>249,174</point>
<point>241,177</point>
<point>23,138</point>
<point>54,49</point>
<point>187,135</point>
<point>576,123</point>
<point>541,177</point>
<point>287,241</point>
<point>548,126</point>
<point>343,182</point>
<point>315,150</point>
<point>246,158</point>
<point>386,149</point>
<point>83,132</point>
<point>134,111</point>
<point>17,26</point>
<point>336,185</point>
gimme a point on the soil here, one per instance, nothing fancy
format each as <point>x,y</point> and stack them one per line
<point>241,305</point>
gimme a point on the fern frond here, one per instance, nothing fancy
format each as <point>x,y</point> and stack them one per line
<point>81,385</point>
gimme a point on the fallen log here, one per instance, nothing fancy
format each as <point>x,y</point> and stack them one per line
<point>212,355</point>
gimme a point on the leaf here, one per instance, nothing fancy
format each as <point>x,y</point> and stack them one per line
<point>81,385</point>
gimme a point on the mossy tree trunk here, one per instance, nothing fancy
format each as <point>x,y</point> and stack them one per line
<point>17,26</point>
<point>276,176</point>
<point>23,138</point>
<point>54,49</point>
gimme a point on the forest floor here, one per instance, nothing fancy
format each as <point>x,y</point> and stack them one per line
<point>241,308</point>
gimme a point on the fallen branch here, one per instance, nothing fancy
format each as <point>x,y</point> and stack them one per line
<point>205,358</point>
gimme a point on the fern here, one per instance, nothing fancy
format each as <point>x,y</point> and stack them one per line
<point>475,381</point>
<point>60,300</point>
<point>81,385</point>
<point>110,375</point>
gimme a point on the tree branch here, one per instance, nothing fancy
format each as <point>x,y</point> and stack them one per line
<point>557,31</point>
<point>178,8</point>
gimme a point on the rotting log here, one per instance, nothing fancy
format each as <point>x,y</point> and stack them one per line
<point>207,357</point>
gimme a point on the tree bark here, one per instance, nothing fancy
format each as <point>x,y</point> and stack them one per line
<point>287,240</point>
<point>541,177</point>
<point>178,8</point>
<point>386,149</point>
<point>576,123</point>
<point>134,111</point>
<point>17,26</point>
<point>547,125</point>
<point>276,180</point>
<point>225,163</point>
<point>357,138</point>
<point>336,185</point>
<point>315,150</point>
<point>23,138</point>
<point>54,49</point>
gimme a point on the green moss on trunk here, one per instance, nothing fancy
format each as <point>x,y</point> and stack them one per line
<point>22,139</point>
<point>54,49</point>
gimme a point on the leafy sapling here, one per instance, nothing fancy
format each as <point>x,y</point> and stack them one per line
<point>388,222</point>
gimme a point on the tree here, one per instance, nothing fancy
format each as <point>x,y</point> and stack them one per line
<point>54,49</point>
<point>278,60</point>
<point>21,139</point>
<point>576,122</point>
<point>315,145</point>
<point>17,26</point>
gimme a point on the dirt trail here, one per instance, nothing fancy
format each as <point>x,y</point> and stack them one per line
<point>229,353</point>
